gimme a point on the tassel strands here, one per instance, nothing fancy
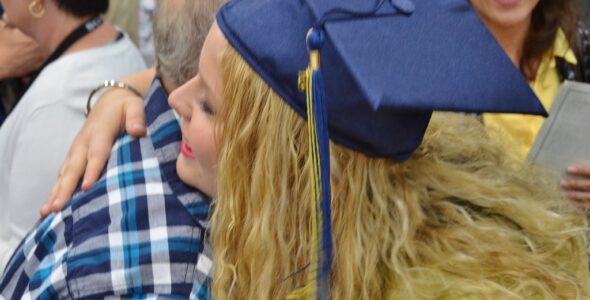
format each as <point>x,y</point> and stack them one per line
<point>312,83</point>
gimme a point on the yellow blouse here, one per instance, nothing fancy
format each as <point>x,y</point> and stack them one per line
<point>522,129</point>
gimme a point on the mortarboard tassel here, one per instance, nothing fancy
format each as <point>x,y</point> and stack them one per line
<point>312,83</point>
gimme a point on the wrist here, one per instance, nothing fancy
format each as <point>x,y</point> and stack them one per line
<point>113,88</point>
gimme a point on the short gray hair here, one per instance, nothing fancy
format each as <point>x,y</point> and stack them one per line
<point>180,28</point>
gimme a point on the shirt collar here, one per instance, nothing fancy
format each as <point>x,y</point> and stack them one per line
<point>165,135</point>
<point>548,64</point>
<point>561,48</point>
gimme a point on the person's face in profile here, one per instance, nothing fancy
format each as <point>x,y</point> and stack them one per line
<point>16,14</point>
<point>196,103</point>
<point>505,13</point>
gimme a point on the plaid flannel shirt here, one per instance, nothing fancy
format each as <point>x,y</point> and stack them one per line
<point>139,233</point>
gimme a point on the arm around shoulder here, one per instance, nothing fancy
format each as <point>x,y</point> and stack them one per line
<point>116,110</point>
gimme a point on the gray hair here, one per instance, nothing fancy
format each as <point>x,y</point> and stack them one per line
<point>180,28</point>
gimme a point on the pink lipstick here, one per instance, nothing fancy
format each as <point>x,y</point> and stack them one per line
<point>186,150</point>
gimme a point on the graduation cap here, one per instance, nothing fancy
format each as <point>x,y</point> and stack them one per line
<point>385,66</point>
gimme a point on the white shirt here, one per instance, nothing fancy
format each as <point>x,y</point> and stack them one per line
<point>36,136</point>
<point>147,9</point>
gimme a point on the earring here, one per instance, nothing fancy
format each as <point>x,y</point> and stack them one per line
<point>36,9</point>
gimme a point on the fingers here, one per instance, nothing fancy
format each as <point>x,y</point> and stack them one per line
<point>577,189</point>
<point>579,169</point>
<point>46,208</point>
<point>134,117</point>
<point>70,175</point>
<point>87,158</point>
<point>580,199</point>
<point>91,148</point>
<point>129,112</point>
<point>576,184</point>
<point>98,155</point>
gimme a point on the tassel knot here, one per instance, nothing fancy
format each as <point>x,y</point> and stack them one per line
<point>315,39</point>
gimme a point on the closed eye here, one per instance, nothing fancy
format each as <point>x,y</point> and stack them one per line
<point>206,107</point>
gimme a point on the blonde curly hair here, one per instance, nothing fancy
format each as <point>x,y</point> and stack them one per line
<point>458,220</point>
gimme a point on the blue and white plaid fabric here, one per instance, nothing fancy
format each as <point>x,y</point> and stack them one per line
<point>139,233</point>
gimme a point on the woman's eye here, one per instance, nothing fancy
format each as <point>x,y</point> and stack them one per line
<point>206,107</point>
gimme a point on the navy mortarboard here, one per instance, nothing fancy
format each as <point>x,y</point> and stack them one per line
<point>375,70</point>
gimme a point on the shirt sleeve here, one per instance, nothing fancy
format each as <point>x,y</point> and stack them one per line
<point>38,268</point>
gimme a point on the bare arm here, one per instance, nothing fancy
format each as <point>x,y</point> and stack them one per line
<point>116,110</point>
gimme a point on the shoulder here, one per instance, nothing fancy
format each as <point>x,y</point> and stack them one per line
<point>70,79</point>
<point>111,61</point>
<point>37,269</point>
<point>122,51</point>
<point>130,232</point>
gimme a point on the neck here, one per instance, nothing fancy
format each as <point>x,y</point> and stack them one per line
<point>50,37</point>
<point>511,38</point>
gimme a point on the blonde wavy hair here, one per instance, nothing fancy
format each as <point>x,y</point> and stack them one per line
<point>459,220</point>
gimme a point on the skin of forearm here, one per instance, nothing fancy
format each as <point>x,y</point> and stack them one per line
<point>141,80</point>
